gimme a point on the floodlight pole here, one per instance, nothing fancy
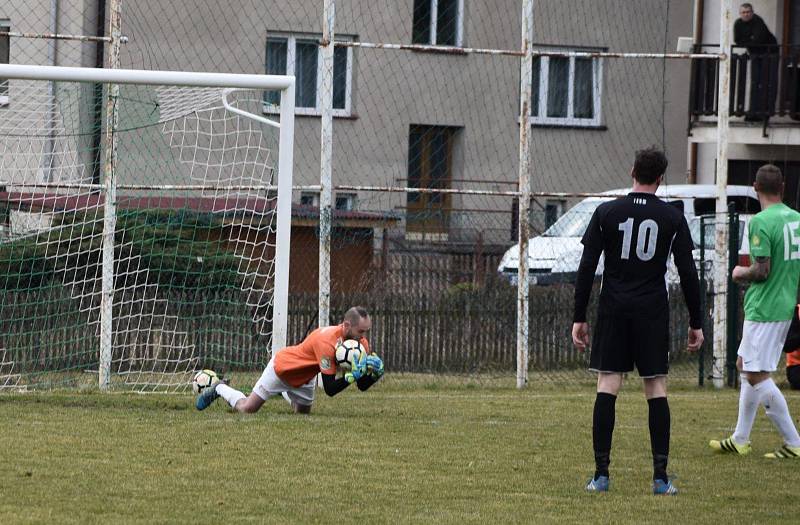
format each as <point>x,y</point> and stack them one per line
<point>525,101</point>
<point>109,201</point>
<point>326,164</point>
<point>721,236</point>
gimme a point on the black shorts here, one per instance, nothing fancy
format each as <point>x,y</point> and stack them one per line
<point>793,376</point>
<point>619,343</point>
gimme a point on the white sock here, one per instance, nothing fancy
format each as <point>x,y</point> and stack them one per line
<point>748,407</point>
<point>229,394</point>
<point>778,411</point>
<point>286,397</point>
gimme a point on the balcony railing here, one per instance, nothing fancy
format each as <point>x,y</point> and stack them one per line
<point>765,83</point>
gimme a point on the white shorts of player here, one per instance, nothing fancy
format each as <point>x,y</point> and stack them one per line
<point>762,345</point>
<point>270,385</point>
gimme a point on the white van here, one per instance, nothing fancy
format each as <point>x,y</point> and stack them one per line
<point>554,255</point>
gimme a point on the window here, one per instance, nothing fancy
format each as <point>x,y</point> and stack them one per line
<point>299,55</point>
<point>567,91</point>
<point>309,199</point>
<point>437,22</point>
<point>345,201</point>
<point>552,211</point>
<point>430,165</point>
<point>5,48</point>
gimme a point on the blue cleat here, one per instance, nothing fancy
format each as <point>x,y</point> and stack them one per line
<point>598,485</point>
<point>664,489</point>
<point>208,396</point>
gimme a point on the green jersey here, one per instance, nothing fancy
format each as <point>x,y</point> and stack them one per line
<point>775,233</point>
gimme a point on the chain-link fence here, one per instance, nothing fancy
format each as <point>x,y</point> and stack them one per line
<point>408,143</point>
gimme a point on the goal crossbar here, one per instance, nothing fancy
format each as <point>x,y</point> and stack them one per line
<point>141,76</point>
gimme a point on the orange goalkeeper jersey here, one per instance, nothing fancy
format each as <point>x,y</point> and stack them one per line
<point>297,365</point>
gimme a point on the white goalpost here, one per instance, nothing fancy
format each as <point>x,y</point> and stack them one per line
<point>129,251</point>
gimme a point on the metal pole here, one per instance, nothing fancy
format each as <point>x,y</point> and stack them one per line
<point>733,295</point>
<point>48,159</point>
<point>280,312</point>
<point>326,163</point>
<point>525,100</point>
<point>701,355</point>
<point>721,237</point>
<point>109,201</point>
<point>144,76</point>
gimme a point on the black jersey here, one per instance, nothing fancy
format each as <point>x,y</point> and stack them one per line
<point>637,233</point>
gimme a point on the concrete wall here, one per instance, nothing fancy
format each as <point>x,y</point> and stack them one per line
<point>644,101</point>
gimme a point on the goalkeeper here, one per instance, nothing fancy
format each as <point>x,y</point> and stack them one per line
<point>292,371</point>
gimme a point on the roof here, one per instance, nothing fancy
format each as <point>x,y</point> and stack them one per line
<point>228,205</point>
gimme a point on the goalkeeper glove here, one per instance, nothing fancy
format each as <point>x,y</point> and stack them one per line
<point>358,371</point>
<point>374,365</point>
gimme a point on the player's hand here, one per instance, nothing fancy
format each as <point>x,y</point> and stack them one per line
<point>695,339</point>
<point>580,335</point>
<point>374,365</point>
<point>359,369</point>
<point>737,273</point>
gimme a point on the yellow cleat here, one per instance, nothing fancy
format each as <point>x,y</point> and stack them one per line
<point>785,452</point>
<point>729,446</point>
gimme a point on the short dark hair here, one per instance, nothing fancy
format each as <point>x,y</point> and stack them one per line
<point>769,180</point>
<point>746,5</point>
<point>649,165</point>
<point>355,314</point>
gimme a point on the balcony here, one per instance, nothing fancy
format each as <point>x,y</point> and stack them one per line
<point>764,102</point>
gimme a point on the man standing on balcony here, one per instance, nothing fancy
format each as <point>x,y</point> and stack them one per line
<point>751,31</point>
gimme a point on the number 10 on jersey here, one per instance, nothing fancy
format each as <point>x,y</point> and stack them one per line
<point>645,239</point>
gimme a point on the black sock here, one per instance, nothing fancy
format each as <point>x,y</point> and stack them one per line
<point>602,430</point>
<point>659,436</point>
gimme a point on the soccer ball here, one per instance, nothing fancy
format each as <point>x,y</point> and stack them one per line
<point>347,353</point>
<point>203,379</point>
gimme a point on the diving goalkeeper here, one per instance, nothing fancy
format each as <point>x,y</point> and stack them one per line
<point>292,371</point>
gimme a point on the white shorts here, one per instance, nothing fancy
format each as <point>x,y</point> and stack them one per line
<point>762,345</point>
<point>270,385</point>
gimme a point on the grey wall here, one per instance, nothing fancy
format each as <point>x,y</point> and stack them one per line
<point>644,101</point>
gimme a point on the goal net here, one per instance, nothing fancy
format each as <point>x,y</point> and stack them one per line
<point>144,225</point>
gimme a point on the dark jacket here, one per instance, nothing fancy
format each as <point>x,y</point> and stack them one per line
<point>754,35</point>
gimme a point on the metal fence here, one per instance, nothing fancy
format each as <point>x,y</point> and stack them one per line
<point>433,138</point>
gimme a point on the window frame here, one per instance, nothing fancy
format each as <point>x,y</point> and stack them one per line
<point>350,198</point>
<point>432,30</point>
<point>422,227</point>
<point>570,120</point>
<point>555,206</point>
<point>314,196</point>
<point>291,52</point>
<point>5,26</point>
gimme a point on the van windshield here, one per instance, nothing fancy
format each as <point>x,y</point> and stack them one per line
<point>575,221</point>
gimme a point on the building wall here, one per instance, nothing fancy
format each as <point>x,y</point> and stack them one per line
<point>31,111</point>
<point>393,90</point>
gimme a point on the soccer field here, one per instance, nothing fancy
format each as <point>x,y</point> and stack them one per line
<point>397,454</point>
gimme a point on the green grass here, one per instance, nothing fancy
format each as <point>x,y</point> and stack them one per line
<point>397,454</point>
